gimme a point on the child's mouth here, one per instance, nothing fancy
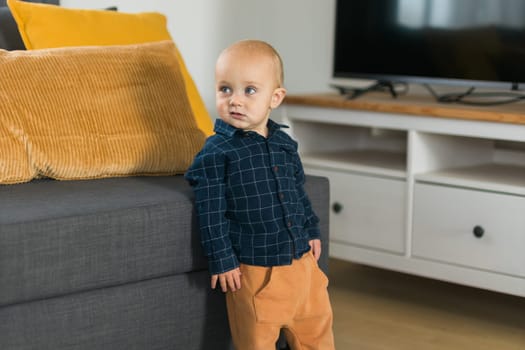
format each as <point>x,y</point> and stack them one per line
<point>236,115</point>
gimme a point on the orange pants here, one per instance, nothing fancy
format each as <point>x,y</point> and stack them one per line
<point>291,297</point>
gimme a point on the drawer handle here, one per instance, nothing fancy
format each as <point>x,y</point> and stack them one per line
<point>337,207</point>
<point>478,231</point>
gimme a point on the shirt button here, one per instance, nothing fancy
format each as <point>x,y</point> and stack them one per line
<point>289,224</point>
<point>276,168</point>
<point>281,195</point>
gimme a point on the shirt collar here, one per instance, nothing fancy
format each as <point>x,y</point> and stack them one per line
<point>226,129</point>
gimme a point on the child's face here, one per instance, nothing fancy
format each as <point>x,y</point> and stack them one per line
<point>247,89</point>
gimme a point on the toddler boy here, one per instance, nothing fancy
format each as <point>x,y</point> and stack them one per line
<point>257,225</point>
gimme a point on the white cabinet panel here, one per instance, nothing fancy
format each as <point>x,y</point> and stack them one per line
<point>478,229</point>
<point>366,211</point>
<point>411,179</point>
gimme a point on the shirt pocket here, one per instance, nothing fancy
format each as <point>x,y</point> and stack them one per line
<point>287,159</point>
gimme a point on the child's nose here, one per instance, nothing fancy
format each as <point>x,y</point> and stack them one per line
<point>235,100</point>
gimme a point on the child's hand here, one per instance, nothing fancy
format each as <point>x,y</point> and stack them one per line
<point>229,279</point>
<point>315,245</point>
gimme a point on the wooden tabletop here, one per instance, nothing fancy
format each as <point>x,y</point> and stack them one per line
<point>422,105</point>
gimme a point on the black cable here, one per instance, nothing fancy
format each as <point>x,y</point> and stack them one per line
<point>461,98</point>
<point>394,88</point>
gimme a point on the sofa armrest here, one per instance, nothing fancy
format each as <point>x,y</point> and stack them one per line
<point>318,190</point>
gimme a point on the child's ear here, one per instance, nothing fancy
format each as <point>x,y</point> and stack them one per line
<point>277,97</point>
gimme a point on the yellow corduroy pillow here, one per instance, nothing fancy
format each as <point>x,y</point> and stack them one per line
<point>95,111</point>
<point>14,161</point>
<point>45,26</point>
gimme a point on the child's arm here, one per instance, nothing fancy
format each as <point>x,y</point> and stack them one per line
<point>312,221</point>
<point>229,279</point>
<point>207,176</point>
<point>315,244</point>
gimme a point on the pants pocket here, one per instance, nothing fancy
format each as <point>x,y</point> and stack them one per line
<point>317,302</point>
<point>276,302</point>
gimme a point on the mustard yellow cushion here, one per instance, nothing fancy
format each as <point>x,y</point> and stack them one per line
<point>46,26</point>
<point>95,111</point>
<point>14,161</point>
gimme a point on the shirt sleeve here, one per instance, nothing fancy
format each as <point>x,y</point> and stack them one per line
<point>207,176</point>
<point>311,225</point>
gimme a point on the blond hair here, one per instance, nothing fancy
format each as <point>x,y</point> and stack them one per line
<point>262,48</point>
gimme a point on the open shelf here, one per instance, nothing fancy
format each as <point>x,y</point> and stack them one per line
<point>494,177</point>
<point>364,149</point>
<point>374,162</point>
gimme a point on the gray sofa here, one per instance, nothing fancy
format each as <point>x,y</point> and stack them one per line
<point>110,263</point>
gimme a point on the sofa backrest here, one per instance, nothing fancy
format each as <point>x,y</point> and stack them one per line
<point>9,35</point>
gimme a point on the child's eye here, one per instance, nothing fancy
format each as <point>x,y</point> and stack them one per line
<point>225,89</point>
<point>250,90</point>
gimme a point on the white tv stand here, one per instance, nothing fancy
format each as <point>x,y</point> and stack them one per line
<point>430,189</point>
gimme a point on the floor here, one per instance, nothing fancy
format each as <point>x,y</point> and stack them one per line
<point>376,309</point>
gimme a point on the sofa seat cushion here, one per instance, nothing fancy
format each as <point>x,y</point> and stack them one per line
<point>60,237</point>
<point>175,312</point>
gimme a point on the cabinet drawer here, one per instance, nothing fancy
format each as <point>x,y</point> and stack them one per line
<point>367,211</point>
<point>472,228</point>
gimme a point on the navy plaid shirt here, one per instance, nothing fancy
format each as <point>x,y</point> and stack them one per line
<point>250,201</point>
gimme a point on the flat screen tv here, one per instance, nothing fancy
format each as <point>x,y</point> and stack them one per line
<point>465,42</point>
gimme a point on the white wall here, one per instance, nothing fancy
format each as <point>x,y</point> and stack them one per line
<point>301,30</point>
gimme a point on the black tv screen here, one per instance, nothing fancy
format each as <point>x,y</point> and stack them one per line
<point>467,42</point>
